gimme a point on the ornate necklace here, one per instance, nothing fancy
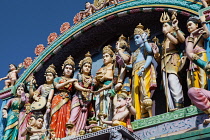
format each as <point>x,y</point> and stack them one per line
<point>87,80</point>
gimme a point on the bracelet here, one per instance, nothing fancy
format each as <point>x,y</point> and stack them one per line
<point>166,33</point>
<point>156,55</point>
<point>190,39</point>
<point>177,29</point>
<point>128,106</point>
<point>145,41</point>
<point>203,22</point>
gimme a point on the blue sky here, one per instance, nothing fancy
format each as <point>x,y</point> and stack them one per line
<point>26,23</point>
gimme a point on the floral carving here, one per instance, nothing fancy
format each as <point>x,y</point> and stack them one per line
<point>51,38</point>
<point>77,18</point>
<point>39,48</point>
<point>64,27</point>
<point>27,62</point>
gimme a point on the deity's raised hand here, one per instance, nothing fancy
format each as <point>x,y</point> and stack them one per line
<point>197,32</point>
<point>175,24</point>
<point>155,48</point>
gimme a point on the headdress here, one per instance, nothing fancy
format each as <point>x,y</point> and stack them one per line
<point>87,59</point>
<point>51,69</point>
<point>165,18</point>
<point>122,41</point>
<point>21,85</point>
<point>108,49</point>
<point>139,30</point>
<point>69,61</point>
<point>122,95</point>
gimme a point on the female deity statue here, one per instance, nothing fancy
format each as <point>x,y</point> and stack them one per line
<point>81,106</point>
<point>14,104</point>
<point>104,77</point>
<point>122,113</point>
<point>143,73</point>
<point>61,102</point>
<point>196,76</point>
<point>43,95</point>
<point>170,61</point>
<point>12,75</point>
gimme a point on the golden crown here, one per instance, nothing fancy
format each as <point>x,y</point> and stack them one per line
<point>122,41</point>
<point>140,30</point>
<point>108,49</point>
<point>69,61</point>
<point>122,95</point>
<point>51,69</point>
<point>87,59</point>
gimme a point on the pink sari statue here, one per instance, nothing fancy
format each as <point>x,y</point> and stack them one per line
<point>81,104</point>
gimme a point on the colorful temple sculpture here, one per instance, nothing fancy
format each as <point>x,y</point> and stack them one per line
<point>125,70</point>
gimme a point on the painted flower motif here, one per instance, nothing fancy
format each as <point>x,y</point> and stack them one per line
<point>39,48</point>
<point>77,18</point>
<point>27,62</point>
<point>51,37</point>
<point>64,27</point>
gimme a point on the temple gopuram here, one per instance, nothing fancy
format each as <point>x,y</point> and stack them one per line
<point>126,70</point>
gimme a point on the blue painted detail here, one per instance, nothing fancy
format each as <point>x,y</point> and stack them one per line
<point>2,120</point>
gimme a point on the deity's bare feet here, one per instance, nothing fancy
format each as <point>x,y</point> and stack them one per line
<point>174,109</point>
<point>206,121</point>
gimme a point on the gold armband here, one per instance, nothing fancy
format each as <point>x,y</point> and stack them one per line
<point>195,57</point>
<point>190,39</point>
<point>156,55</point>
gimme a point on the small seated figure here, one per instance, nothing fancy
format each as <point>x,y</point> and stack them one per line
<point>205,3</point>
<point>12,75</point>
<point>34,129</point>
<point>122,112</point>
<point>89,10</point>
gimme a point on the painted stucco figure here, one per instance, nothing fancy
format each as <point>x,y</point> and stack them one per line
<point>104,77</point>
<point>123,57</point>
<point>196,76</point>
<point>12,75</point>
<point>42,97</point>
<point>143,73</point>
<point>122,112</point>
<point>170,61</point>
<point>14,104</point>
<point>61,102</point>
<point>34,130</point>
<point>81,106</point>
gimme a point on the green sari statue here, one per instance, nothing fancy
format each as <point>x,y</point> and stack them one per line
<point>14,104</point>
